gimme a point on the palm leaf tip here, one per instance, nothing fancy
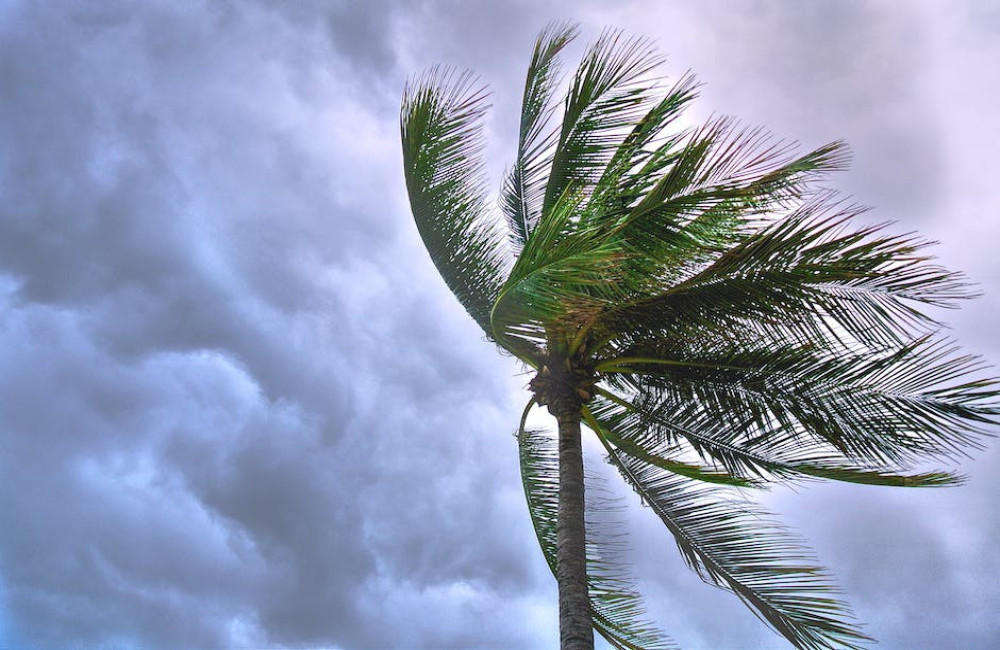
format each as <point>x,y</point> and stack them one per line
<point>525,184</point>
<point>609,93</point>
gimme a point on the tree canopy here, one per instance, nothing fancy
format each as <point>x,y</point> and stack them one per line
<point>724,319</point>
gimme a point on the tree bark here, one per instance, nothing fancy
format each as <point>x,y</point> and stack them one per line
<point>576,630</point>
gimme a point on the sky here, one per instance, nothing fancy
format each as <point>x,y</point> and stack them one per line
<point>239,408</point>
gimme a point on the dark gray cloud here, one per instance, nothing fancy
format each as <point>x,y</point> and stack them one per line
<point>239,408</point>
<point>216,432</point>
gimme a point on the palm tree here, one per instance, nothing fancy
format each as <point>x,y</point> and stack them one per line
<point>705,308</point>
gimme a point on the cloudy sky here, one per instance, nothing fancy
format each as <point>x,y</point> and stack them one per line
<point>238,408</point>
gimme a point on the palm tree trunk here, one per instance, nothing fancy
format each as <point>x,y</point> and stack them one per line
<point>575,627</point>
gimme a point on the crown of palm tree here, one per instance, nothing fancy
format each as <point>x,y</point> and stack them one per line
<point>716,317</point>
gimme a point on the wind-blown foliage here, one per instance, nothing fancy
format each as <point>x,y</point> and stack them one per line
<point>716,318</point>
<point>442,137</point>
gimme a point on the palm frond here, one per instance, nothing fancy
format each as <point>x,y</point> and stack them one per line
<point>890,409</point>
<point>524,187</point>
<point>810,275</point>
<point>735,446</point>
<point>735,546</point>
<point>441,128</point>
<point>644,153</point>
<point>609,93</point>
<point>617,609</point>
<point>683,212</point>
<point>723,162</point>
<point>654,454</point>
<point>564,274</point>
<point>723,188</point>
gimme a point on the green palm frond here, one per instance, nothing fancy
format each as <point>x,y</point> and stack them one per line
<point>890,409</point>
<point>641,157</point>
<point>656,454</point>
<point>699,200</point>
<point>608,95</point>
<point>723,163</point>
<point>441,127</point>
<point>564,274</point>
<point>724,186</point>
<point>808,277</point>
<point>617,609</point>
<point>524,188</point>
<point>732,448</point>
<point>734,545</point>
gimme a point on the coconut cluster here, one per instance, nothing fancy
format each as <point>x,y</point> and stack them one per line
<point>563,385</point>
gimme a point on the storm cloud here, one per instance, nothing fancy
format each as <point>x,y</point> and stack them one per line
<point>239,408</point>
